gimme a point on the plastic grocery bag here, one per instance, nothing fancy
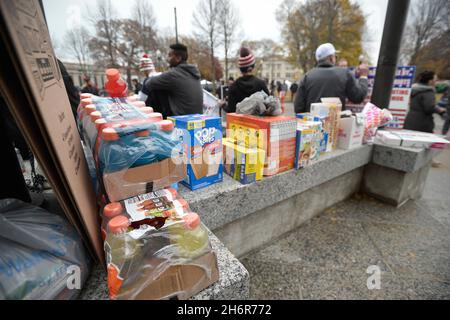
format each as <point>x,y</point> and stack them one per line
<point>374,118</point>
<point>260,104</point>
<point>211,106</point>
<point>41,256</point>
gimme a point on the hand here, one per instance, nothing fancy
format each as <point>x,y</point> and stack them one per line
<point>363,70</point>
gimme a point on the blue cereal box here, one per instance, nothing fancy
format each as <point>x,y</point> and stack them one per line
<point>201,136</point>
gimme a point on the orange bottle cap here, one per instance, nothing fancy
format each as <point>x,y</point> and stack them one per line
<point>86,95</point>
<point>109,134</point>
<point>113,209</point>
<point>191,221</point>
<point>146,110</point>
<point>85,102</point>
<point>100,123</point>
<point>90,108</point>
<point>155,115</point>
<point>113,74</point>
<point>139,104</point>
<point>118,224</point>
<point>173,192</point>
<point>96,115</point>
<point>166,125</point>
<point>183,203</point>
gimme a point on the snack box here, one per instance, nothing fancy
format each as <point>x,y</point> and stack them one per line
<point>201,137</point>
<point>308,143</point>
<point>275,135</point>
<point>411,139</point>
<point>329,110</point>
<point>324,135</point>
<point>245,165</point>
<point>351,132</point>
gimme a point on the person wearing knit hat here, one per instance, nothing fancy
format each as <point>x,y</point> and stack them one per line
<point>246,85</point>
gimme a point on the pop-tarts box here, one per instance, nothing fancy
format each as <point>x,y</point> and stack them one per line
<point>201,136</point>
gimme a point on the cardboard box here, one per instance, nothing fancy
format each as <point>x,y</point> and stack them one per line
<point>412,139</point>
<point>329,110</point>
<point>309,136</point>
<point>131,182</point>
<point>245,165</point>
<point>324,135</point>
<point>202,143</point>
<point>43,114</point>
<point>351,132</point>
<point>275,135</point>
<point>177,282</point>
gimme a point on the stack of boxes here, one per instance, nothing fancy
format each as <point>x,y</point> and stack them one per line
<point>243,164</point>
<point>275,135</point>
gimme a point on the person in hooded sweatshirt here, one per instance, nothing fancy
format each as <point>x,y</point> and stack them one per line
<point>178,91</point>
<point>423,104</point>
<point>246,85</point>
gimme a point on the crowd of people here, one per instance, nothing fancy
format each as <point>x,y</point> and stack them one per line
<point>178,91</point>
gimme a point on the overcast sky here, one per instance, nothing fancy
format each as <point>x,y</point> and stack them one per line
<point>257,17</point>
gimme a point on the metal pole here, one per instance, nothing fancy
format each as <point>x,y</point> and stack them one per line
<point>396,15</point>
<point>176,24</point>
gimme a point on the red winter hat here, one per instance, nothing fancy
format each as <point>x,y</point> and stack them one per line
<point>146,63</point>
<point>246,58</point>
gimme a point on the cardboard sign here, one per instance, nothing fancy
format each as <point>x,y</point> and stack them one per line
<point>33,88</point>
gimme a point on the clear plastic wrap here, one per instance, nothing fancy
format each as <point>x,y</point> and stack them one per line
<point>157,249</point>
<point>37,253</point>
<point>139,157</point>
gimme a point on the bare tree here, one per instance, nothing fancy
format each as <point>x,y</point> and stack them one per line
<point>104,44</point>
<point>76,44</point>
<point>142,13</point>
<point>428,19</point>
<point>129,40</point>
<point>228,20</point>
<point>205,22</point>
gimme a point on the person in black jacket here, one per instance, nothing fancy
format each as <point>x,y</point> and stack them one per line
<point>246,85</point>
<point>327,80</point>
<point>423,104</point>
<point>178,91</point>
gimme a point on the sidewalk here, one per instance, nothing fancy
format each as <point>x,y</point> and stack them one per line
<point>327,258</point>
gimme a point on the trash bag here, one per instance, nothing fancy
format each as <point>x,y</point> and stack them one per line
<point>260,104</point>
<point>41,256</point>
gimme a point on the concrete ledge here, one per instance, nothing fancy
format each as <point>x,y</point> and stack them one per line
<point>229,201</point>
<point>393,186</point>
<point>233,284</point>
<point>402,159</point>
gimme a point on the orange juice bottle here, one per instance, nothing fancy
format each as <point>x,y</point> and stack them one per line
<point>110,211</point>
<point>189,236</point>
<point>121,250</point>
